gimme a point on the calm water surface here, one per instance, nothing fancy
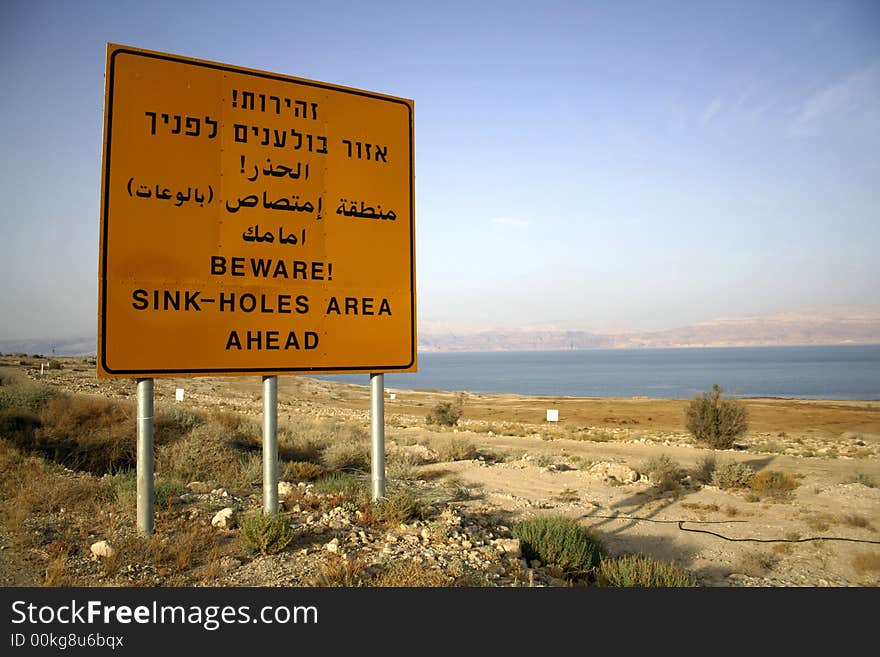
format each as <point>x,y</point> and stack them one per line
<point>825,372</point>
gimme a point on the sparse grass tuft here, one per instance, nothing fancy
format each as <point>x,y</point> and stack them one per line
<point>343,485</point>
<point>266,534</point>
<point>863,479</point>
<point>560,541</point>
<point>409,574</point>
<point>756,564</point>
<point>855,520</point>
<point>642,571</point>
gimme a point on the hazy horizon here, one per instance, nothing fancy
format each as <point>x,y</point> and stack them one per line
<point>633,165</point>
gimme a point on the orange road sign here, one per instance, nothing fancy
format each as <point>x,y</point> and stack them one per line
<point>252,223</point>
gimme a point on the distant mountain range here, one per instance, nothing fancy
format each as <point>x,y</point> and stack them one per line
<point>790,328</point>
<point>850,326</point>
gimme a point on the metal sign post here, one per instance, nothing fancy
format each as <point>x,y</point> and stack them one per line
<point>270,444</point>
<point>145,456</point>
<point>377,420</point>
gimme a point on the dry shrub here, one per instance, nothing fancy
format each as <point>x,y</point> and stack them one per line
<point>454,449</point>
<point>705,469</point>
<point>346,456</point>
<point>446,413</point>
<point>665,473</point>
<point>297,444</point>
<point>409,574</point>
<point>401,506</point>
<point>172,422</point>
<point>756,564</point>
<point>88,433</point>
<point>302,471</point>
<point>863,479</point>
<point>203,455</point>
<point>30,486</point>
<point>820,522</point>
<point>401,470</point>
<point>773,483</point>
<point>337,571</point>
<point>867,562</point>
<point>10,376</point>
<point>855,520</point>
<point>58,572</point>
<point>184,546</point>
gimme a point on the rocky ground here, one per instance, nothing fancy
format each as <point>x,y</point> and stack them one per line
<point>591,468</point>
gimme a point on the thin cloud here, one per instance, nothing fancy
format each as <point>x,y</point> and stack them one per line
<point>851,103</point>
<point>710,112</point>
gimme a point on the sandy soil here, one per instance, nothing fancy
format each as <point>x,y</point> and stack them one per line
<point>825,533</point>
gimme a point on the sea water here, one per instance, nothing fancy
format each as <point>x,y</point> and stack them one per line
<point>808,372</point>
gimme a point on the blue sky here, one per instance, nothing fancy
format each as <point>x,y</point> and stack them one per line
<point>599,164</point>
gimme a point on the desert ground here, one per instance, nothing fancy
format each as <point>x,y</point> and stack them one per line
<point>500,464</point>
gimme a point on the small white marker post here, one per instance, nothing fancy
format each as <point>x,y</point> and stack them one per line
<point>178,394</point>
<point>377,426</point>
<point>270,444</point>
<point>145,456</point>
<point>553,415</point>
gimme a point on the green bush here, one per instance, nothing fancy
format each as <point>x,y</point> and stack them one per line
<point>561,541</point>
<point>642,571</point>
<point>715,421</point>
<point>266,534</point>
<point>730,474</point>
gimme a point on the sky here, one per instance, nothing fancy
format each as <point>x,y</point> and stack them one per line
<point>593,164</point>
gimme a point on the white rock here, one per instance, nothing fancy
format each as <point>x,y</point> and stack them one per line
<point>617,471</point>
<point>510,546</point>
<point>332,546</point>
<point>224,518</point>
<point>285,488</point>
<point>103,549</point>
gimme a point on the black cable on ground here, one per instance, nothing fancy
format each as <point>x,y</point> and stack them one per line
<point>728,538</point>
